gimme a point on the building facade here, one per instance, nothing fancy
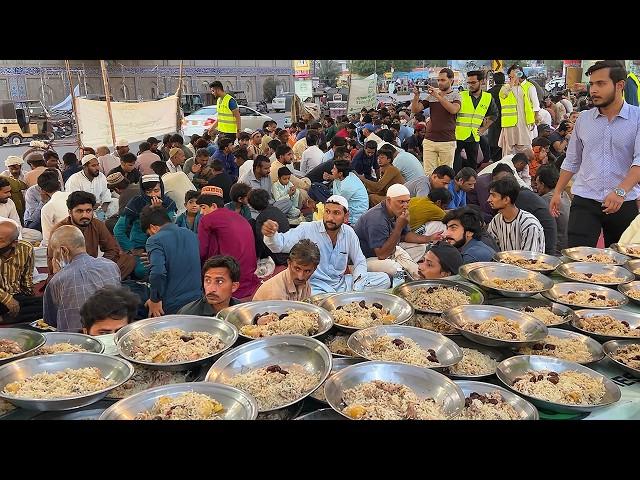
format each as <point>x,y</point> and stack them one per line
<point>138,80</point>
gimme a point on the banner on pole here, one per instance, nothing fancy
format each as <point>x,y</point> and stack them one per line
<point>362,94</point>
<point>304,89</point>
<point>302,68</point>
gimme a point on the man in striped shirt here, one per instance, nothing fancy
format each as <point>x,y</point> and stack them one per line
<point>513,228</point>
<point>17,303</point>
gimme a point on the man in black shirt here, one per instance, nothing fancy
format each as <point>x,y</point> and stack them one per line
<point>317,174</point>
<point>259,201</point>
<point>128,168</point>
<point>560,138</point>
<point>221,179</point>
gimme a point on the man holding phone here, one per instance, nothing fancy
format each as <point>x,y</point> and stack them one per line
<point>519,106</point>
<point>439,144</point>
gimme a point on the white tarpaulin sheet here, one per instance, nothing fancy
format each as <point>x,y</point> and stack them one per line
<point>362,94</point>
<point>132,121</point>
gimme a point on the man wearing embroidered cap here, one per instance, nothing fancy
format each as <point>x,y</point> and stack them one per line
<point>91,180</point>
<point>385,237</point>
<point>14,167</point>
<point>339,247</point>
<point>225,232</point>
<point>122,147</point>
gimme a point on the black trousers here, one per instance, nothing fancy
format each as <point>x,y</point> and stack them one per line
<point>30,310</point>
<point>486,149</point>
<point>586,219</point>
<point>471,148</point>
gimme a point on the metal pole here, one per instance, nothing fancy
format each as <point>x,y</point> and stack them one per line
<point>73,104</point>
<point>107,93</point>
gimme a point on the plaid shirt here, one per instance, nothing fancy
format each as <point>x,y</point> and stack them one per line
<point>72,286</point>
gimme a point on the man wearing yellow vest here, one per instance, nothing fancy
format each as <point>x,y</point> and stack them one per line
<point>228,121</point>
<point>519,102</point>
<point>632,90</point>
<point>477,112</point>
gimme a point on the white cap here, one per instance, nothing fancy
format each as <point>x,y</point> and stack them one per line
<point>398,190</point>
<point>88,158</point>
<point>13,160</point>
<point>340,200</point>
<point>248,130</point>
<point>122,143</point>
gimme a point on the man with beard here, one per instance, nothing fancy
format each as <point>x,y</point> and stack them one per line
<point>174,277</point>
<point>339,246</point>
<point>477,112</point>
<point>220,280</point>
<point>228,122</point>
<point>7,207</point>
<point>15,177</point>
<point>14,167</point>
<point>17,300</point>
<point>91,180</point>
<point>81,206</point>
<point>604,154</point>
<point>439,143</point>
<point>464,229</point>
<point>293,283</point>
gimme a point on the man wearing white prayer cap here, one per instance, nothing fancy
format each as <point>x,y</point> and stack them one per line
<point>385,237</point>
<point>339,247</point>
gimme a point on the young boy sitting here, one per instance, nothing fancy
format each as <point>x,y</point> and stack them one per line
<point>239,203</point>
<point>283,188</point>
<point>191,218</point>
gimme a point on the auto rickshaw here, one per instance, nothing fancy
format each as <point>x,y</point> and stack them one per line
<point>24,120</point>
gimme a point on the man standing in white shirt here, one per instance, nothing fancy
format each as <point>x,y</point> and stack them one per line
<point>91,180</point>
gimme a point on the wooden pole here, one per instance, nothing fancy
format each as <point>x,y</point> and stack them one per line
<point>107,93</point>
<point>179,95</point>
<point>73,105</point>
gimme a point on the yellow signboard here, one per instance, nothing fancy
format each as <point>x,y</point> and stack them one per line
<point>497,65</point>
<point>302,68</point>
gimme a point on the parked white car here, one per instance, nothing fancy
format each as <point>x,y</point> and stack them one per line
<point>282,102</point>
<point>202,119</point>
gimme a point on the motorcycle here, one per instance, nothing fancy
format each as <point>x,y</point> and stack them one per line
<point>62,128</point>
<point>262,107</point>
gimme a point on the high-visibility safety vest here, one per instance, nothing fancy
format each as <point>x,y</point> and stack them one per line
<point>632,76</point>
<point>226,120</point>
<point>469,119</point>
<point>509,115</point>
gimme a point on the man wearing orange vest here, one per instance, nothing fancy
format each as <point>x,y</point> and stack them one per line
<point>228,121</point>
<point>477,112</point>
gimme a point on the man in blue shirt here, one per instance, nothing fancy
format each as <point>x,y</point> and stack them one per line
<point>339,246</point>
<point>365,161</point>
<point>348,185</point>
<point>174,257</point>
<point>464,181</point>
<point>226,157</point>
<point>409,166</point>
<point>464,229</point>
<point>604,155</point>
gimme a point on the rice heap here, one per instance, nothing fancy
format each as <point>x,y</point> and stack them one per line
<point>402,349</point>
<point>569,387</point>
<point>489,406</point>
<point>498,327</point>
<point>629,355</point>
<point>528,263</point>
<point>361,315</point>
<point>438,298</point>
<point>379,400</point>
<point>598,258</point>
<point>607,325</point>
<point>570,349</point>
<point>433,323</point>
<point>544,314</point>
<point>62,347</point>
<point>274,386</point>
<point>474,363</point>
<point>294,322</point>
<point>186,406</point>
<point>587,298</point>
<point>65,383</point>
<point>517,284</point>
<point>173,345</point>
<point>9,348</point>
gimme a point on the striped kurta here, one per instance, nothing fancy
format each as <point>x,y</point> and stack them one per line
<point>523,233</point>
<point>16,272</point>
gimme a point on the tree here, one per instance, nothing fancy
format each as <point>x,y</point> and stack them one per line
<point>269,89</point>
<point>366,67</point>
<point>328,72</point>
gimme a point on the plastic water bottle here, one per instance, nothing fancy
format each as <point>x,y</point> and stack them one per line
<point>399,277</point>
